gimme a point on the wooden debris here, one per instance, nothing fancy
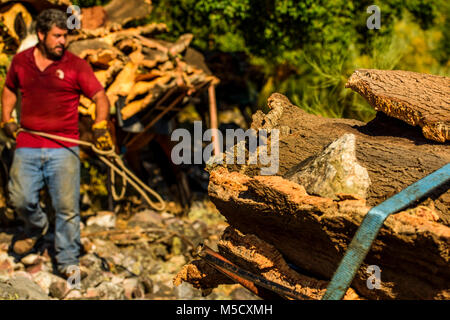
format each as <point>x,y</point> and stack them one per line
<point>93,18</point>
<point>123,82</point>
<point>105,32</point>
<point>10,16</point>
<point>135,69</point>
<point>121,12</point>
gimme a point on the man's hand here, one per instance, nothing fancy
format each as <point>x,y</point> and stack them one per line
<point>10,128</point>
<point>8,124</point>
<point>102,137</point>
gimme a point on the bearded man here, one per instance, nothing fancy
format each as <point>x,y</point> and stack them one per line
<point>51,80</point>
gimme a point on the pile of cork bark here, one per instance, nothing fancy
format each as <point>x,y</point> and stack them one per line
<point>293,228</point>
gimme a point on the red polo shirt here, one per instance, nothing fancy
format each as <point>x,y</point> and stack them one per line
<point>50,98</point>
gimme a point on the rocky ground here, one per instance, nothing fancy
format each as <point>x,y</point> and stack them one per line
<point>126,256</point>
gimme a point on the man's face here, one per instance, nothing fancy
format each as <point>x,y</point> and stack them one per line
<point>54,42</point>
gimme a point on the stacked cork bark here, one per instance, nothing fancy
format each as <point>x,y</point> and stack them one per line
<point>281,219</point>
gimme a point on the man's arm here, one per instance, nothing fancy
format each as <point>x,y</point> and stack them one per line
<point>8,124</point>
<point>9,99</point>
<point>102,137</point>
<point>102,106</point>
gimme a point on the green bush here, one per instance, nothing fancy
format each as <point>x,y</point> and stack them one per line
<point>320,42</point>
<point>89,3</point>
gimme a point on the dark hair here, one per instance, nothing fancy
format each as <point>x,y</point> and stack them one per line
<point>50,17</point>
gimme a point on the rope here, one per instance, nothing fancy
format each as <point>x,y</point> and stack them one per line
<point>117,167</point>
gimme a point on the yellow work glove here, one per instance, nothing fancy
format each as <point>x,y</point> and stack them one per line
<point>102,137</point>
<point>10,128</point>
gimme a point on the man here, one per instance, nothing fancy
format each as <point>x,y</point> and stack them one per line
<point>50,80</point>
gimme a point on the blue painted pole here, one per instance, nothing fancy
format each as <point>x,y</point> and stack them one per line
<point>371,225</point>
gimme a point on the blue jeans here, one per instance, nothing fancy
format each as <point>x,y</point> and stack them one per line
<point>59,169</point>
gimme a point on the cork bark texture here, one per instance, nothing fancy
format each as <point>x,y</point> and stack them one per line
<point>313,233</point>
<point>416,98</point>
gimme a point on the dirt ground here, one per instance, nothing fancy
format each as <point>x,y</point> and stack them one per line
<point>126,256</point>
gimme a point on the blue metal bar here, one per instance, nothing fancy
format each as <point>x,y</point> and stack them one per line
<point>374,219</point>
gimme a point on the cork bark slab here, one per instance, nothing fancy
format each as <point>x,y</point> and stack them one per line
<point>260,258</point>
<point>394,153</point>
<point>418,99</point>
<point>411,249</point>
<point>121,12</point>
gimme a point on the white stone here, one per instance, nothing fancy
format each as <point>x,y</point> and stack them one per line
<point>30,259</point>
<point>44,280</point>
<point>335,170</point>
<point>103,219</point>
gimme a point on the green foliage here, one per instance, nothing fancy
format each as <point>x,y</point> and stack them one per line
<point>320,43</point>
<point>94,183</point>
<point>5,61</point>
<point>89,3</point>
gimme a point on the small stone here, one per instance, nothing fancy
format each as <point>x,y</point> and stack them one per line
<point>241,293</point>
<point>19,267</point>
<point>147,284</point>
<point>184,291</point>
<point>91,293</point>
<point>179,260</point>
<point>118,259</point>
<point>93,278</point>
<point>159,251</point>
<point>155,288</point>
<point>87,244</point>
<point>201,228</point>
<point>164,291</point>
<point>335,170</point>
<point>105,248</point>
<point>115,279</point>
<point>132,288</point>
<point>131,264</point>
<point>74,294</point>
<point>6,267</point>
<point>22,288</point>
<point>30,259</point>
<point>91,262</point>
<point>167,215</point>
<point>104,219</point>
<point>36,268</point>
<point>23,274</point>
<point>58,289</point>
<point>145,218</point>
<point>44,280</point>
<point>45,256</point>
<point>109,291</point>
<point>177,246</point>
<point>4,247</point>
